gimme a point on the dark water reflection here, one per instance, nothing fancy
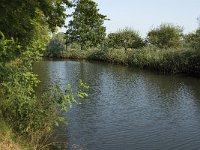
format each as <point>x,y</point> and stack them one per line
<point>127,108</point>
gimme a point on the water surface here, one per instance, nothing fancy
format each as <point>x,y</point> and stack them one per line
<point>127,108</point>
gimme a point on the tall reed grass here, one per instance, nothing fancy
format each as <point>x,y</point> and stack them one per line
<point>170,60</point>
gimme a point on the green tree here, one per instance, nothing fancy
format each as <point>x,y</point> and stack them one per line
<point>166,36</point>
<point>18,17</point>
<point>193,39</point>
<point>126,38</point>
<point>86,27</point>
<point>57,45</point>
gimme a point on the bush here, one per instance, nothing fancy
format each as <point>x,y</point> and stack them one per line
<point>165,36</point>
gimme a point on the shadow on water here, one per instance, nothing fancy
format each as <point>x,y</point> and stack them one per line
<point>127,108</point>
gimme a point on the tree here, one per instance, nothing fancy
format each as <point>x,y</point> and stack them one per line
<point>57,44</point>
<point>193,39</point>
<point>166,36</point>
<point>126,38</point>
<point>86,28</point>
<point>18,17</point>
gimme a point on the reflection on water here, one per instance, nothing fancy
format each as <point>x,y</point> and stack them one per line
<point>127,108</point>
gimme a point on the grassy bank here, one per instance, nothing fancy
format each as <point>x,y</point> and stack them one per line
<point>9,140</point>
<point>171,60</point>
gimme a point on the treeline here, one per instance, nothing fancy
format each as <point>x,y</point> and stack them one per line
<point>165,48</point>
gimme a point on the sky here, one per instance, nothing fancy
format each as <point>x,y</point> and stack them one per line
<point>143,15</point>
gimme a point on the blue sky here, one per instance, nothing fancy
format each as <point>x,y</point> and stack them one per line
<point>142,15</point>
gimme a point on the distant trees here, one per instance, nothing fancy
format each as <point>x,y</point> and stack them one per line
<point>126,38</point>
<point>57,45</point>
<point>166,36</point>
<point>86,28</point>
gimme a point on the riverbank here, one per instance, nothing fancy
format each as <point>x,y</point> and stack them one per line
<point>170,60</point>
<point>9,140</point>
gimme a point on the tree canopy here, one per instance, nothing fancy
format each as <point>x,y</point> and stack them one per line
<point>193,39</point>
<point>56,45</point>
<point>86,27</point>
<point>166,36</point>
<point>18,17</point>
<point>126,38</point>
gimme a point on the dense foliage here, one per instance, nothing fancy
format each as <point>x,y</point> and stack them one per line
<point>193,39</point>
<point>125,38</point>
<point>19,18</point>
<point>86,27</point>
<point>24,34</point>
<point>165,36</point>
<point>57,45</point>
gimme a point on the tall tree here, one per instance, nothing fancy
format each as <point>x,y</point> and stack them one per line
<point>86,28</point>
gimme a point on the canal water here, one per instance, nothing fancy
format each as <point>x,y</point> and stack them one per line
<point>127,108</point>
